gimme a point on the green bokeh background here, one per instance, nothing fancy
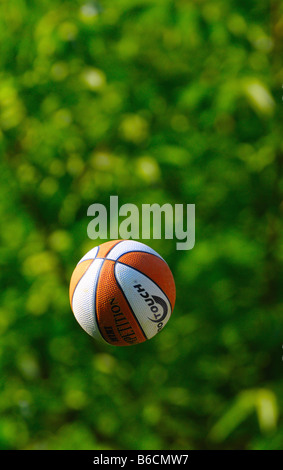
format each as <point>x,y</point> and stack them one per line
<point>156,101</point>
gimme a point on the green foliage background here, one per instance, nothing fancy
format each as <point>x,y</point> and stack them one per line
<point>156,101</point>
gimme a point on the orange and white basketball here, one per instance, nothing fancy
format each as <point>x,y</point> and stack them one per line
<point>122,292</point>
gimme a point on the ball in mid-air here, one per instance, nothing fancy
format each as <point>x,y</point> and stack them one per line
<point>122,292</point>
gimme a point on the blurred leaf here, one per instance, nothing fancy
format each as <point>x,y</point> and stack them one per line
<point>262,401</point>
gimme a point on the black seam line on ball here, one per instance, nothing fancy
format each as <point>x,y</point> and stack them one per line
<point>95,296</point>
<point>123,293</point>
<point>116,244</point>
<point>95,293</point>
<point>141,251</point>
<point>124,264</point>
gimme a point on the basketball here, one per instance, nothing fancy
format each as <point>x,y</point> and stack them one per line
<point>122,292</point>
